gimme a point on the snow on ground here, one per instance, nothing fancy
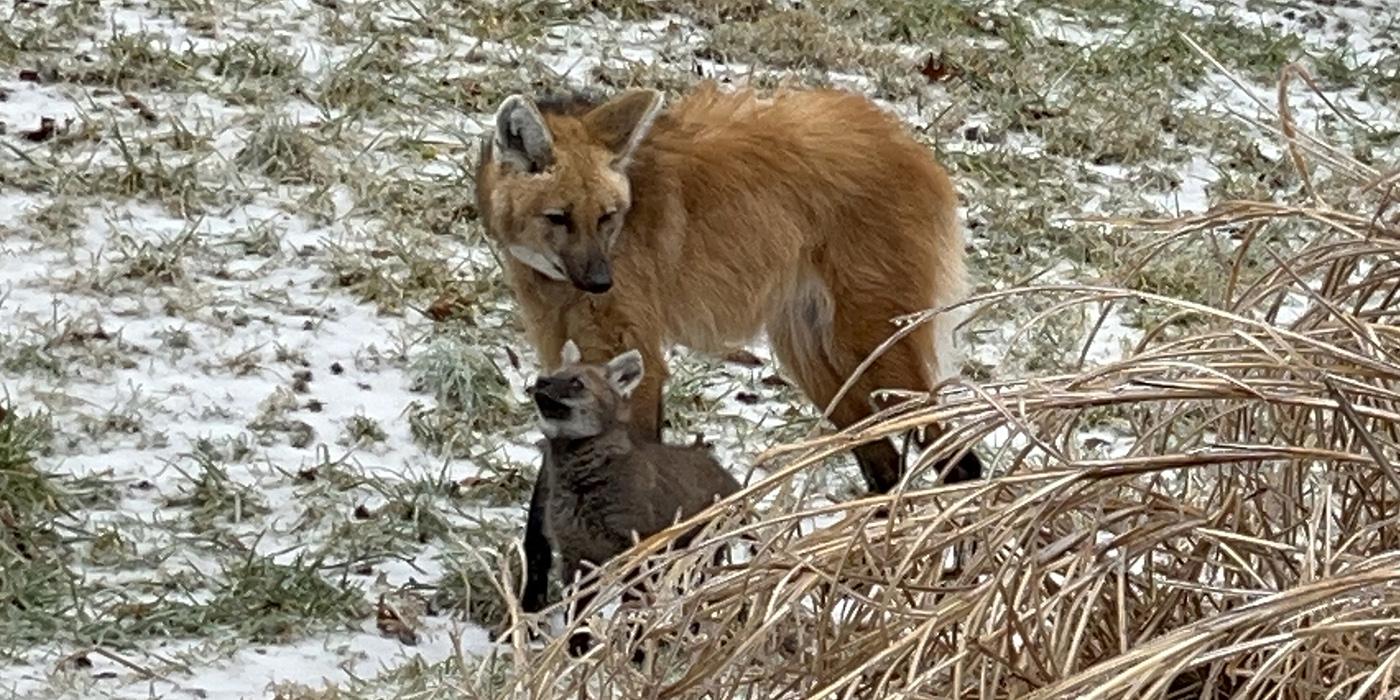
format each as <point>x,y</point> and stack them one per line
<point>235,324</point>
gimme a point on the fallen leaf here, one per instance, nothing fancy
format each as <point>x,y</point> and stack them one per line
<point>76,661</point>
<point>46,131</point>
<point>391,624</point>
<point>1037,112</point>
<point>980,134</point>
<point>936,70</point>
<point>450,304</point>
<point>146,113</point>
<point>743,357</point>
<point>1094,443</point>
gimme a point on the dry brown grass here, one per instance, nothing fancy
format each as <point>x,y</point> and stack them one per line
<point>1247,545</point>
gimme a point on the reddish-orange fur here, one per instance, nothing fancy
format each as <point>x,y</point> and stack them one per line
<point>812,215</point>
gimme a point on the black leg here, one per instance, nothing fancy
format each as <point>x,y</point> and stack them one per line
<point>968,468</point>
<point>580,641</point>
<point>538,554</point>
<point>639,654</point>
<point>660,413</point>
<point>880,465</point>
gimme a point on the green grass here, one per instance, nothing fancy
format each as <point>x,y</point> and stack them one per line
<point>472,561</point>
<point>44,548</point>
<point>282,151</point>
<point>35,548</point>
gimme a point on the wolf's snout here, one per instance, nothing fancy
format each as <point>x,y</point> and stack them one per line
<point>597,276</point>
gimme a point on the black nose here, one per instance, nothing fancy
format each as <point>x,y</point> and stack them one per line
<point>597,277</point>
<point>546,394</point>
<point>555,387</point>
<point>547,386</point>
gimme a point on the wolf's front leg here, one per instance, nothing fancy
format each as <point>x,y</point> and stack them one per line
<point>648,399</point>
<point>539,555</point>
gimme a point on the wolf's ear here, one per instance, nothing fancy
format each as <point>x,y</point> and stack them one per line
<point>622,122</point>
<point>570,354</point>
<point>625,372</point>
<point>522,140</point>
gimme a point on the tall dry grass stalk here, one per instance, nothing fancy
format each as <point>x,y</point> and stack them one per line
<point>1246,545</point>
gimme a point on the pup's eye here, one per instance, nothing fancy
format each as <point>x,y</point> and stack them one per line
<point>558,218</point>
<point>605,219</point>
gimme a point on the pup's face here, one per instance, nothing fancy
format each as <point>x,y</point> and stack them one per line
<point>582,400</point>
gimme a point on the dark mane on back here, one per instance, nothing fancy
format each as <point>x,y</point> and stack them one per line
<point>572,103</point>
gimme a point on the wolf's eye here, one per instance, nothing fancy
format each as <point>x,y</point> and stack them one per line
<point>605,219</point>
<point>558,218</point>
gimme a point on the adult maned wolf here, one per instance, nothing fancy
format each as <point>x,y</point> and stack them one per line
<point>811,215</point>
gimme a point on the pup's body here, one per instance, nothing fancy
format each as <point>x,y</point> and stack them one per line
<point>601,485</point>
<point>603,489</point>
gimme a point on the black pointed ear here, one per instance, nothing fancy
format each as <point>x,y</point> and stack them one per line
<point>625,372</point>
<point>522,140</point>
<point>622,122</point>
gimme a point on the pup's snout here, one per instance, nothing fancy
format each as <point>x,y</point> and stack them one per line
<point>548,394</point>
<point>557,388</point>
<point>548,386</point>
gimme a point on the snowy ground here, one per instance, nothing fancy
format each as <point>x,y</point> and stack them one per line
<point>268,363</point>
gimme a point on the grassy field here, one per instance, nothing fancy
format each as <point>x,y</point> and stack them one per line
<point>263,424</point>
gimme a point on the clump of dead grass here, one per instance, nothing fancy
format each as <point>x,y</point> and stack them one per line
<point>283,151</point>
<point>1243,545</point>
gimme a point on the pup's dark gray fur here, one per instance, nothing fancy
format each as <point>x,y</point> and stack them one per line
<point>601,484</point>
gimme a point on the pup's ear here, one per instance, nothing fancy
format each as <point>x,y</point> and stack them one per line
<point>625,372</point>
<point>570,354</point>
<point>522,140</point>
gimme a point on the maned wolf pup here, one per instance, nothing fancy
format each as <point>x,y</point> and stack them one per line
<point>603,484</point>
<point>811,215</point>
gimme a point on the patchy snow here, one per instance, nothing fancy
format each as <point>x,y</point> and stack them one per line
<point>176,335</point>
<point>252,671</point>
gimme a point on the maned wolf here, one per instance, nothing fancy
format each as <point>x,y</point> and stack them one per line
<point>811,215</point>
<point>601,484</point>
